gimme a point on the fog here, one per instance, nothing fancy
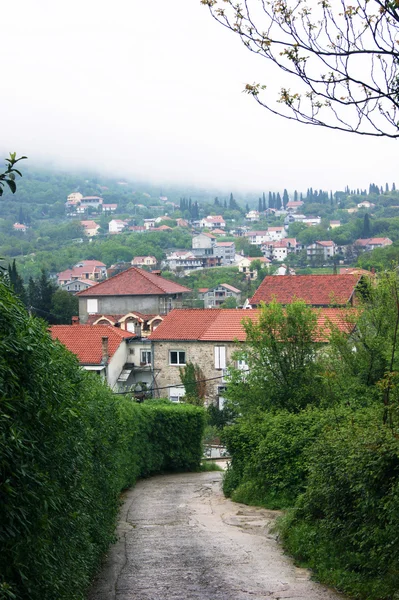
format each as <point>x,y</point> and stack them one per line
<point>153,90</point>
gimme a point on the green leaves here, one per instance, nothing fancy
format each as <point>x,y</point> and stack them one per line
<point>8,177</point>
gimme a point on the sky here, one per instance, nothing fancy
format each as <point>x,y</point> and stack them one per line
<point>153,90</point>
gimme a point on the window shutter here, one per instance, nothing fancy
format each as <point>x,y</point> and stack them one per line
<point>220,357</point>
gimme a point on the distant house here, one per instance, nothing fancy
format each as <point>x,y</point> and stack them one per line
<point>321,249</point>
<point>209,338</point>
<point>294,205</point>
<point>278,250</point>
<point>77,285</point>
<point>315,290</point>
<point>86,270</point>
<point>74,198</point>
<point>372,243</point>
<point>311,221</point>
<point>109,207</point>
<point>252,216</point>
<point>20,227</point>
<point>90,228</point>
<point>275,234</point>
<point>256,238</point>
<point>144,261</point>
<point>211,252</point>
<point>244,266</point>
<point>334,224</point>
<point>116,226</point>
<point>183,260</point>
<point>182,223</point>
<point>365,204</point>
<point>149,223</point>
<point>130,291</point>
<point>91,201</point>
<point>219,232</point>
<point>214,297</point>
<point>226,252</point>
<point>162,228</point>
<point>213,222</point>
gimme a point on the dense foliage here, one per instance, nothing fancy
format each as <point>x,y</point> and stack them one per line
<point>335,459</point>
<point>68,446</point>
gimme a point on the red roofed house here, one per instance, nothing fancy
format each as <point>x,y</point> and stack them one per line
<point>101,348</point>
<point>321,250</point>
<point>130,291</point>
<point>213,222</point>
<point>372,243</point>
<point>208,337</point>
<point>90,228</point>
<point>20,227</point>
<point>93,270</point>
<point>146,261</point>
<point>315,290</point>
<point>279,249</point>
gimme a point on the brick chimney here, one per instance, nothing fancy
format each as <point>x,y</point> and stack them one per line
<point>75,321</point>
<point>104,350</point>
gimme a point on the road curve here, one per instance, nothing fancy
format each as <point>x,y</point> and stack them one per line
<point>180,539</point>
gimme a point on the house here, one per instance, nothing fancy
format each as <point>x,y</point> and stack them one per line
<point>20,227</point>
<point>311,221</point>
<point>100,348</point>
<point>74,198</point>
<point>90,228</point>
<point>213,222</point>
<point>139,323</point>
<point>183,260</point>
<point>279,250</point>
<point>77,285</point>
<point>257,238</point>
<point>321,250</point>
<point>109,207</point>
<point>163,218</point>
<point>244,266</point>
<point>129,291</point>
<point>208,338</point>
<point>314,290</point>
<point>225,251</point>
<point>144,261</point>
<point>93,270</point>
<point>182,223</point>
<point>252,216</point>
<point>161,228</point>
<point>334,224</point>
<point>365,204</point>
<point>219,232</point>
<point>91,201</point>
<point>116,226</point>
<point>294,205</point>
<point>214,297</point>
<point>149,223</point>
<point>275,234</point>
<point>372,243</point>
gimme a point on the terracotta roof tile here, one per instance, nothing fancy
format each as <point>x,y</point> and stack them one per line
<point>225,325</point>
<point>136,282</point>
<point>86,340</point>
<point>315,290</point>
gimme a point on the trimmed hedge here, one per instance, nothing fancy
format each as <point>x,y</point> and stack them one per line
<point>68,446</point>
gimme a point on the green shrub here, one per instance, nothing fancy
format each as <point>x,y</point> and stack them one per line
<point>68,446</point>
<point>346,524</point>
<point>269,463</point>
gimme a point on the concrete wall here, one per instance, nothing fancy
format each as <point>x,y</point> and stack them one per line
<point>201,353</point>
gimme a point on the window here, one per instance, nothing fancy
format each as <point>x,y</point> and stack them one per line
<point>145,357</point>
<point>92,305</point>
<point>177,357</point>
<point>220,357</point>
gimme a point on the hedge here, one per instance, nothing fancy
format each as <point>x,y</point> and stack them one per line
<point>346,524</point>
<point>68,446</point>
<point>269,463</point>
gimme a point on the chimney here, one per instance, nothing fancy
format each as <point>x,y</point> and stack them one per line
<point>104,350</point>
<point>75,320</point>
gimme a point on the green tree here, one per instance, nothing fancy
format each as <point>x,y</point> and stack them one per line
<point>8,176</point>
<point>318,46</point>
<point>366,233</point>
<point>64,306</point>
<point>281,355</point>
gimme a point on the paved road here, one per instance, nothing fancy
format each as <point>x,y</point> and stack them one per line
<point>180,539</point>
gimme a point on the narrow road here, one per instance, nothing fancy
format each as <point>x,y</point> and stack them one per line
<point>180,539</point>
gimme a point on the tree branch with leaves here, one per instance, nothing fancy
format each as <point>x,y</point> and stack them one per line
<point>340,59</point>
<point>8,176</point>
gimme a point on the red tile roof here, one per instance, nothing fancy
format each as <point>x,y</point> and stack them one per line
<point>136,282</point>
<point>315,290</point>
<point>225,325</point>
<point>86,340</point>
